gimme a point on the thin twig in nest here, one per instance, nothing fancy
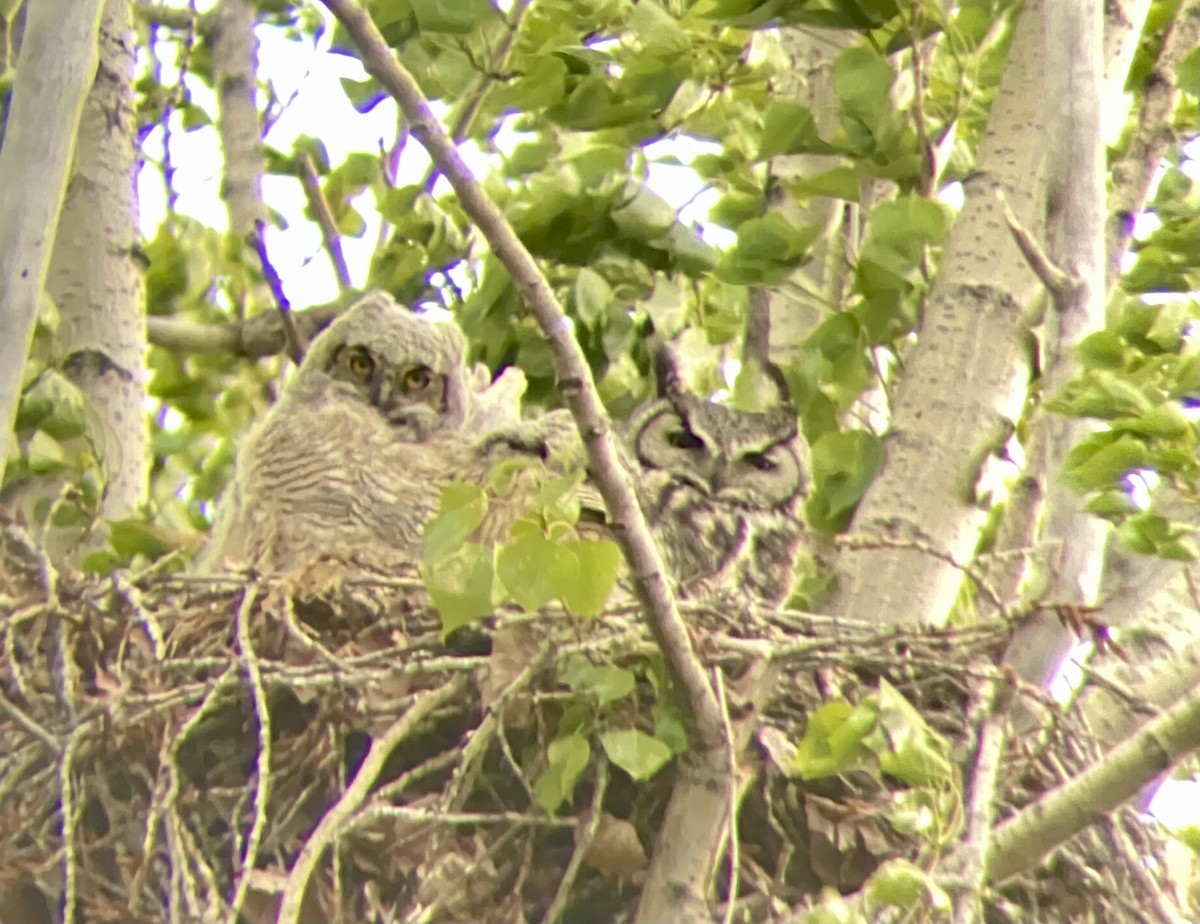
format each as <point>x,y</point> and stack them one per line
<point>331,826</point>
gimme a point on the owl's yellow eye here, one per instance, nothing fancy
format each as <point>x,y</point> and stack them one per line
<point>418,378</point>
<point>360,364</point>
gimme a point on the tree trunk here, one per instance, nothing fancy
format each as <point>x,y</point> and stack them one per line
<point>965,381</point>
<point>56,67</point>
<point>97,286</point>
<point>235,67</point>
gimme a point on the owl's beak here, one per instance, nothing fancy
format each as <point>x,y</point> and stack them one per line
<point>718,475</point>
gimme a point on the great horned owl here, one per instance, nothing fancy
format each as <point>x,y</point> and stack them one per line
<point>722,489</point>
<point>348,461</point>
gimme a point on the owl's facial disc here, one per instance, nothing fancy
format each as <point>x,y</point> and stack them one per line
<point>396,391</point>
<point>768,476</point>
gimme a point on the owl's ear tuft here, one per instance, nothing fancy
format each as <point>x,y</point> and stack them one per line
<point>668,375</point>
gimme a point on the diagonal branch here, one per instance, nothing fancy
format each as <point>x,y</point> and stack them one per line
<point>1024,839</point>
<point>666,887</point>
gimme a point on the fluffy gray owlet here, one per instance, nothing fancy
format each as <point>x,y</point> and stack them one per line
<point>722,488</point>
<point>348,461</point>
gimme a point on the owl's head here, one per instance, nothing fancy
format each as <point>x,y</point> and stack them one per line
<point>410,369</point>
<point>730,456</point>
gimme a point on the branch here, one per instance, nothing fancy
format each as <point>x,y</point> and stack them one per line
<point>1023,840</point>
<point>183,20</point>
<point>1058,281</point>
<point>474,102</point>
<point>990,704</point>
<point>629,528</point>
<point>331,825</point>
<point>324,218</point>
<point>296,344</point>
<point>252,338</point>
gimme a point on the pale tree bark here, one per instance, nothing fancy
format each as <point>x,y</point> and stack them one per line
<point>1075,232</point>
<point>55,69</point>
<point>966,379</point>
<point>97,286</point>
<point>1018,529</point>
<point>235,69</point>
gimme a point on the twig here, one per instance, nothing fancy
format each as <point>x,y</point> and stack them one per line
<point>30,724</point>
<point>296,344</point>
<point>461,128</point>
<point>262,766</point>
<point>333,823</point>
<point>735,844</point>
<point>853,541</point>
<point>991,707</point>
<point>1058,281</point>
<point>324,218</point>
<point>68,809</point>
<point>587,834</point>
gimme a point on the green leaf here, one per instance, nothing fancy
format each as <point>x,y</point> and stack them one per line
<point>1187,77</point>
<point>54,405</point>
<point>838,183</point>
<point>768,250</point>
<point>1103,350</point>
<point>461,585</point>
<point>44,454</point>
<point>130,537</point>
<point>901,884</point>
<point>457,17</point>
<point>832,741</point>
<point>863,81</point>
<point>635,752</point>
<point>606,682</point>
<point>593,295</point>
<point>534,570</point>
<point>568,757</point>
<point>460,511</point>
<point>658,31</point>
<point>669,727</point>
<point>789,128</point>
<point>1101,460</point>
<point>1166,420</point>
<point>364,95</point>
<point>915,753</point>
<point>844,464</point>
<point>599,561</point>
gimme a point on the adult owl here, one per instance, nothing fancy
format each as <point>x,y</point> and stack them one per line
<point>722,489</point>
<point>348,461</point>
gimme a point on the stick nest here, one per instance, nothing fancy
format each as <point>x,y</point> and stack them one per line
<point>312,748</point>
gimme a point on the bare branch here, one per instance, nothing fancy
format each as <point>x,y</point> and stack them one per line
<point>324,218</point>
<point>183,20</point>
<point>1022,841</point>
<point>674,888</point>
<point>474,99</point>
<point>990,706</point>
<point>1058,281</point>
<point>296,344</point>
<point>252,338</point>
